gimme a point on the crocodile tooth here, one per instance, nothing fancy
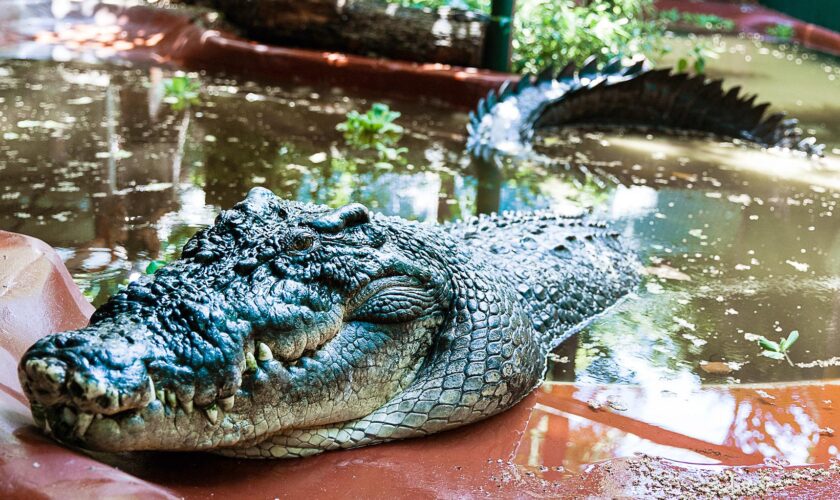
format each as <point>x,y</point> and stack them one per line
<point>47,427</point>
<point>187,405</point>
<point>227,403</point>
<point>151,390</point>
<point>264,352</point>
<point>113,398</point>
<point>160,395</point>
<point>98,416</point>
<point>68,416</point>
<point>171,399</point>
<point>212,413</point>
<point>82,424</point>
<point>250,361</point>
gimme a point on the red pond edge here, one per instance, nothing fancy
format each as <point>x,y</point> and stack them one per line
<point>190,46</point>
<point>755,19</point>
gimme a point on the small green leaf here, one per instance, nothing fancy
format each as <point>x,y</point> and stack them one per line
<point>154,266</point>
<point>682,65</point>
<point>788,342</point>
<point>769,345</point>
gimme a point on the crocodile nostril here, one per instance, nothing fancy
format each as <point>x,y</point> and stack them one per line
<point>45,377</point>
<point>68,378</point>
<point>76,390</point>
<point>51,371</point>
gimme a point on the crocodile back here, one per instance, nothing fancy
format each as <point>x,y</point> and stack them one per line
<point>565,268</point>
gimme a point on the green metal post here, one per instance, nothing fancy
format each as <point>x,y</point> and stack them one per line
<point>497,39</point>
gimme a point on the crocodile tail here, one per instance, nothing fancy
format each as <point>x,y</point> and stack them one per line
<point>625,95</point>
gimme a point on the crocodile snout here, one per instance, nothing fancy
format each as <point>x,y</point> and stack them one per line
<point>45,379</point>
<point>72,380</point>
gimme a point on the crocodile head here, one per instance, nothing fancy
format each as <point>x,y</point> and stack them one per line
<point>280,316</point>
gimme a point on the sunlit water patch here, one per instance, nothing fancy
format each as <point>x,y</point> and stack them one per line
<point>736,242</point>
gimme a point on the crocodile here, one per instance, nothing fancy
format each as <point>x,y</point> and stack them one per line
<point>287,329</point>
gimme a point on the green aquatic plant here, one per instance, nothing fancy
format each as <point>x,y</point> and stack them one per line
<point>695,59</point>
<point>388,155</point>
<point>778,350</point>
<point>375,130</point>
<point>783,32</point>
<point>376,126</point>
<point>182,91</point>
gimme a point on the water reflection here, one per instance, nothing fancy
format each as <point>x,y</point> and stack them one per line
<point>574,425</point>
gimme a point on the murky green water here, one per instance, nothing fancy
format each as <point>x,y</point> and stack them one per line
<point>738,242</point>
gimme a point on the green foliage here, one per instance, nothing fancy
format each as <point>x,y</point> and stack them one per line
<point>559,31</point>
<point>182,91</point>
<point>704,21</point>
<point>710,21</point>
<point>695,59</point>
<point>783,32</point>
<point>671,15</point>
<point>778,350</point>
<point>388,155</point>
<point>374,130</point>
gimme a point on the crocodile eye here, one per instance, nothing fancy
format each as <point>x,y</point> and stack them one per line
<point>302,241</point>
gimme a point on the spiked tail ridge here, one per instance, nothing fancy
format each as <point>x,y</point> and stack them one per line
<point>631,95</point>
